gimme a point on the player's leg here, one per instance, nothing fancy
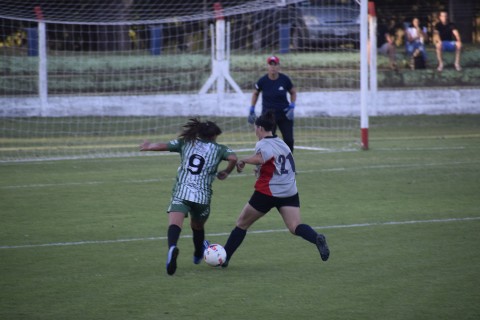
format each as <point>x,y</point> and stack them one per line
<point>175,223</point>
<point>291,217</point>
<point>175,220</point>
<point>199,216</point>
<point>247,217</point>
<point>286,128</point>
<point>258,205</point>
<point>289,209</point>
<point>177,211</point>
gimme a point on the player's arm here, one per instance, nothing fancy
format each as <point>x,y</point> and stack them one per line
<point>251,114</point>
<point>256,159</point>
<point>457,35</point>
<point>293,95</point>
<point>149,146</point>
<point>232,161</point>
<point>255,95</point>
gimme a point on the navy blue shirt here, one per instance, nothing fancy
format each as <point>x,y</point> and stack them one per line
<point>274,92</point>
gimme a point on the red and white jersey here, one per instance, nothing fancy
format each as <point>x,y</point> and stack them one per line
<point>276,176</point>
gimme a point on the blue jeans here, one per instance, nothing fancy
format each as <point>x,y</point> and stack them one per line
<point>412,46</point>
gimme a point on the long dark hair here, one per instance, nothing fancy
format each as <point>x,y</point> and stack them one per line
<point>266,120</point>
<point>195,128</point>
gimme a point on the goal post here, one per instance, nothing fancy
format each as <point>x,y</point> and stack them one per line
<point>364,72</point>
<point>220,55</point>
<point>96,87</point>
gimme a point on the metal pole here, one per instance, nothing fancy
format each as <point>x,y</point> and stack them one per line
<point>364,72</point>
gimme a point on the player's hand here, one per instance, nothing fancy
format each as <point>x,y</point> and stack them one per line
<point>289,111</point>
<point>145,146</point>
<point>240,166</point>
<point>252,116</point>
<point>222,175</point>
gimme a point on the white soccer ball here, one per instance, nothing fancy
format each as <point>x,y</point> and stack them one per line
<point>215,255</point>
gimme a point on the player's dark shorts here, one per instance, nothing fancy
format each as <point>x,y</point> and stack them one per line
<point>264,203</point>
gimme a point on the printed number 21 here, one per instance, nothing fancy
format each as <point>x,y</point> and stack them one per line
<point>282,159</point>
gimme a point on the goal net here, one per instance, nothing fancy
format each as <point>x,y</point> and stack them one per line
<point>94,78</point>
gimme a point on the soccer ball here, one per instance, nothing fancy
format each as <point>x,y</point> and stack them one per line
<point>215,255</point>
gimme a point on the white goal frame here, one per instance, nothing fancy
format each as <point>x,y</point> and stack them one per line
<point>213,99</point>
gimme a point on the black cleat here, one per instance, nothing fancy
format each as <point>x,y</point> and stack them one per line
<point>172,260</point>
<point>225,264</point>
<point>323,247</point>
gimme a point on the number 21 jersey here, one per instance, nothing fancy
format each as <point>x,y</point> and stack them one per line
<point>276,176</point>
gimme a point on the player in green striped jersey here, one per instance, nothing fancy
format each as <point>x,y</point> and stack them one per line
<point>200,157</point>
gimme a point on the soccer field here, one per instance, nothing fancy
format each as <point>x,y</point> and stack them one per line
<point>86,239</point>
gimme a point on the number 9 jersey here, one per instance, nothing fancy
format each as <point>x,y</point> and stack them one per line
<point>276,176</point>
<point>198,167</point>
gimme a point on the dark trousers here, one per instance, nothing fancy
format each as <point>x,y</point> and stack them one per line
<point>286,128</point>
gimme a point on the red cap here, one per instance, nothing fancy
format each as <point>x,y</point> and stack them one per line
<point>273,59</point>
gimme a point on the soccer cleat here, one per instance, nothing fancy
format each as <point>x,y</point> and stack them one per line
<point>206,244</point>
<point>225,264</point>
<point>172,260</point>
<point>196,259</point>
<point>323,247</point>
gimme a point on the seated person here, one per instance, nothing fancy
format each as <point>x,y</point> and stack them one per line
<point>416,38</point>
<point>447,38</point>
<point>386,43</point>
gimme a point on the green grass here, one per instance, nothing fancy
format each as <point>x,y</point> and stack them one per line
<point>63,221</point>
<point>67,137</point>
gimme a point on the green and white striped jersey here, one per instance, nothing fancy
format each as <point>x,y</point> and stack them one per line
<point>199,162</point>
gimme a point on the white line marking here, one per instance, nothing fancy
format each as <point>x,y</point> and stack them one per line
<point>394,166</point>
<point>339,226</point>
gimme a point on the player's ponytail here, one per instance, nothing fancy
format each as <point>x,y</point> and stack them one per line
<point>190,131</point>
<point>194,129</point>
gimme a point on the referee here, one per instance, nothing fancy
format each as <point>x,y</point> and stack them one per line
<point>274,87</point>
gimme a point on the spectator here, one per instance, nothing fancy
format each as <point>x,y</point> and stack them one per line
<point>416,37</point>
<point>447,38</point>
<point>386,43</point>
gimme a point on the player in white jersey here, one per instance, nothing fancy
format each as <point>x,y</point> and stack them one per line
<point>200,157</point>
<point>275,187</point>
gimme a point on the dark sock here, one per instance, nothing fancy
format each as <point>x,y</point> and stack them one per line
<point>307,233</point>
<point>198,237</point>
<point>234,241</point>
<point>173,234</point>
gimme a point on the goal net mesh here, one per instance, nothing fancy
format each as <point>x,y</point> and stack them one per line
<point>118,72</point>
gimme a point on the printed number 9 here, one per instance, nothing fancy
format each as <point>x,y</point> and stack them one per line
<point>195,164</point>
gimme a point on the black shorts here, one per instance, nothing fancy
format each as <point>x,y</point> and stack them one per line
<point>263,203</point>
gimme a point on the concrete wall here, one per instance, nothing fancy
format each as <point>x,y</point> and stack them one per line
<point>347,103</point>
